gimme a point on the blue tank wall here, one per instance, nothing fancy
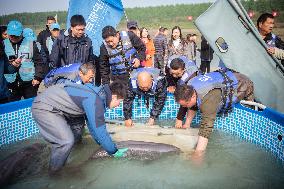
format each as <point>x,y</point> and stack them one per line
<point>264,128</point>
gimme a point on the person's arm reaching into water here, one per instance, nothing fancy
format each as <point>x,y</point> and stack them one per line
<point>94,108</point>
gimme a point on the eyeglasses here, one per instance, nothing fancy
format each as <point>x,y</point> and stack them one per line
<point>15,37</point>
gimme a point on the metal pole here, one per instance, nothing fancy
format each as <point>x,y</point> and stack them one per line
<point>125,15</point>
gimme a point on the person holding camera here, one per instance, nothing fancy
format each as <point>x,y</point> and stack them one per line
<point>23,53</point>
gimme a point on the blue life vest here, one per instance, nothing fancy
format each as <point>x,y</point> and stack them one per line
<point>49,44</point>
<point>190,68</point>
<point>272,41</point>
<point>155,72</point>
<point>27,69</point>
<point>221,79</point>
<point>121,58</point>
<point>69,72</point>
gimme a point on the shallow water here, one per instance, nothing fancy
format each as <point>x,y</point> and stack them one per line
<point>228,163</point>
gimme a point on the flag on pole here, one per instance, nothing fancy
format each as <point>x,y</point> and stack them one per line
<point>98,14</point>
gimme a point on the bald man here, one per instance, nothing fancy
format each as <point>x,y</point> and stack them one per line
<point>145,82</point>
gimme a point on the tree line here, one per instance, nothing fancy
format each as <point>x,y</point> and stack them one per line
<point>151,17</point>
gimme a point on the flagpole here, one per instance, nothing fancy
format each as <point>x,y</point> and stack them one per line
<point>125,14</point>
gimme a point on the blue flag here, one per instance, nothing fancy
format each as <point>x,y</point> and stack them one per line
<point>98,14</point>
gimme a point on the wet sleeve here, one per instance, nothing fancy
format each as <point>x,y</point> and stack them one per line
<point>127,104</point>
<point>138,45</point>
<point>160,98</point>
<point>104,65</point>
<point>40,67</point>
<point>208,109</point>
<point>94,109</point>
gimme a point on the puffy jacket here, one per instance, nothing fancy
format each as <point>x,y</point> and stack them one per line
<point>161,44</point>
<point>67,50</point>
<point>42,36</point>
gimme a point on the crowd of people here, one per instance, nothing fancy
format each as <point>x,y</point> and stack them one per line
<point>71,84</point>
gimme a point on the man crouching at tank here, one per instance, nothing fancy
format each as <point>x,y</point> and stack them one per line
<point>146,82</point>
<point>52,108</point>
<point>213,93</point>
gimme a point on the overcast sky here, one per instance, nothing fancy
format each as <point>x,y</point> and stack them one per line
<point>19,6</point>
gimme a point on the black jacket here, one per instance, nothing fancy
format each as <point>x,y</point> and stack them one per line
<point>41,38</point>
<point>104,57</point>
<point>67,50</point>
<point>160,98</point>
<point>206,52</point>
<point>161,44</point>
<point>278,42</point>
<point>5,68</point>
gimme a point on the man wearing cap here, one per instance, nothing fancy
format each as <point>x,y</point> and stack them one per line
<point>120,53</point>
<point>55,31</point>
<point>44,34</point>
<point>132,26</point>
<point>19,50</point>
<point>29,34</point>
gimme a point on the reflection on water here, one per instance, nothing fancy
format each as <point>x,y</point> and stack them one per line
<point>228,163</point>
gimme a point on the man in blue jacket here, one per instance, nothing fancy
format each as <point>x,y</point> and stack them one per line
<point>68,100</point>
